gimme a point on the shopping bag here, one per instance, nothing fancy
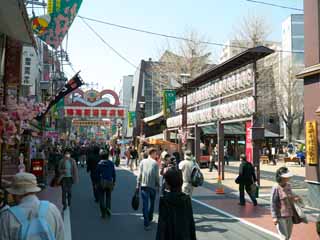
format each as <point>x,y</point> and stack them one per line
<point>298,214</point>
<point>255,190</point>
<point>135,201</point>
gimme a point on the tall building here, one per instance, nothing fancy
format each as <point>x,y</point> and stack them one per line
<point>293,39</point>
<point>292,62</point>
<point>125,95</point>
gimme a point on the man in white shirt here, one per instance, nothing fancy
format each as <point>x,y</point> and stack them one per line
<point>24,188</point>
<point>186,167</point>
<point>149,182</point>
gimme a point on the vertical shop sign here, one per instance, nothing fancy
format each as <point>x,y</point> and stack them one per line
<point>13,63</point>
<point>311,142</point>
<point>169,102</point>
<point>249,141</point>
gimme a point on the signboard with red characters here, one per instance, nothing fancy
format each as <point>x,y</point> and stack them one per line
<point>93,104</point>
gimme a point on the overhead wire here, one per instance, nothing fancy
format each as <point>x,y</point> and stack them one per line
<point>275,5</point>
<point>107,44</point>
<point>172,36</point>
<point>115,51</point>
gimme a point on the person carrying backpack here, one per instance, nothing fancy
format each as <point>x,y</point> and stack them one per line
<point>107,180</point>
<point>31,218</point>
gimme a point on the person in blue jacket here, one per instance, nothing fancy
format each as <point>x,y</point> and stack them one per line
<point>107,179</point>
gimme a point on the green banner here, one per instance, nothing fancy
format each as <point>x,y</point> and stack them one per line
<point>169,102</point>
<point>132,119</point>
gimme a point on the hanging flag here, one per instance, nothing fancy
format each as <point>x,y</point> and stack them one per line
<point>132,119</point>
<point>169,102</point>
<point>52,28</point>
<point>70,86</point>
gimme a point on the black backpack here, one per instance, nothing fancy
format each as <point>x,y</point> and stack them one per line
<point>196,176</point>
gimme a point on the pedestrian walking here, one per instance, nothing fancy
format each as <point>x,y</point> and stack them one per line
<point>226,155</point>
<point>246,178</point>
<point>68,175</point>
<point>148,181</point>
<point>30,218</point>
<point>169,162</point>
<point>176,220</point>
<point>186,166</point>
<point>163,154</point>
<point>213,158</point>
<point>83,155</point>
<point>107,180</point>
<point>282,203</point>
<point>133,158</point>
<point>93,160</point>
<point>117,153</point>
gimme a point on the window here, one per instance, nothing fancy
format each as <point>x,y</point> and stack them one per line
<point>27,70</point>
<point>28,61</point>
<point>298,58</point>
<point>297,30</point>
<point>298,44</point>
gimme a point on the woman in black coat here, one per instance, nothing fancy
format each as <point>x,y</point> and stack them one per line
<point>176,220</point>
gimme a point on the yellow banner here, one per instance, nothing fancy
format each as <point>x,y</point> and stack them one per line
<point>311,142</point>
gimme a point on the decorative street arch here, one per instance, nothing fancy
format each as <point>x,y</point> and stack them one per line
<point>93,104</point>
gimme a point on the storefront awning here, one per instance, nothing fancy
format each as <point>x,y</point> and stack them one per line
<point>15,22</point>
<point>154,119</point>
<point>235,130</point>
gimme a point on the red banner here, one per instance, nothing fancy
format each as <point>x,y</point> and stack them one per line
<point>95,112</point>
<point>87,112</point>
<point>121,113</point>
<point>249,141</point>
<point>79,112</point>
<point>103,113</point>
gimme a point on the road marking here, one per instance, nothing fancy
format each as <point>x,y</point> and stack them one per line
<point>67,224</point>
<point>237,218</point>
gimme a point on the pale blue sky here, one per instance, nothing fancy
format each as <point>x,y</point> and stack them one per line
<point>216,19</point>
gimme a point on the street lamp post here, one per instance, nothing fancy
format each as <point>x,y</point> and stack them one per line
<point>141,106</point>
<point>184,79</point>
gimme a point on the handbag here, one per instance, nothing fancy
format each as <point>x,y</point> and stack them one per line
<point>254,190</point>
<point>135,201</point>
<point>238,180</point>
<point>298,214</point>
<point>106,184</point>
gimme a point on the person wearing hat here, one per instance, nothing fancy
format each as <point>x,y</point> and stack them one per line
<point>186,167</point>
<point>282,200</point>
<point>24,188</point>
<point>68,175</point>
<point>107,179</point>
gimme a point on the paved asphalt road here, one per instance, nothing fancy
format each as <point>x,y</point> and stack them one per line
<point>127,224</point>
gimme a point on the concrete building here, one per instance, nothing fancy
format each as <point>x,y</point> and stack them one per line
<point>125,95</point>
